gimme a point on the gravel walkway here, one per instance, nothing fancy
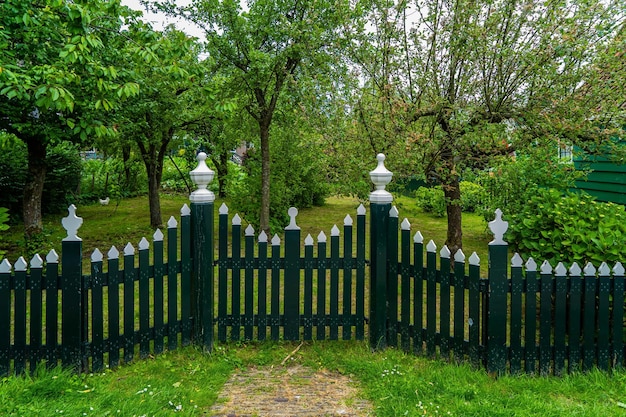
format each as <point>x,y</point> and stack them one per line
<point>297,391</point>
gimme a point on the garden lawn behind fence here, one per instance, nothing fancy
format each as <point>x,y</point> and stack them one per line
<point>186,382</point>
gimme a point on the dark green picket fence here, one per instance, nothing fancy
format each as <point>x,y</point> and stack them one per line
<point>517,319</point>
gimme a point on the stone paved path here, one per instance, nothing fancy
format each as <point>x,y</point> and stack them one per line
<point>296,391</point>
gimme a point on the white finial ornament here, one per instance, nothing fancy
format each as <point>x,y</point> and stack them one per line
<point>202,177</point>
<point>292,212</point>
<point>381,176</point>
<point>71,224</point>
<point>498,227</point>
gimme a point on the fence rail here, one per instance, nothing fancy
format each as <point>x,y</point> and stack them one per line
<point>520,318</point>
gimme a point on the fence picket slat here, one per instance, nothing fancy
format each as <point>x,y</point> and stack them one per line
<point>19,318</point>
<point>97,313</point>
<point>235,301</point>
<point>144,301</point>
<point>275,296</point>
<point>474,319</point>
<point>129,303</point>
<point>360,273</point>
<point>418,292</point>
<point>113,307</point>
<point>172,285</point>
<point>431,298</point>
<point>334,284</point>
<point>530,319</point>
<point>262,303</point>
<point>36,316</point>
<point>545,324</point>
<point>617,333</point>
<point>185,276</point>
<point>308,289</point>
<point>574,318</point>
<point>321,286</point>
<point>444,303</point>
<point>560,319</point>
<point>459,306</point>
<point>589,318</point>
<point>604,289</point>
<point>158,295</point>
<point>249,287</point>
<point>405,286</point>
<point>347,282</point>
<point>5,318</point>
<point>52,308</point>
<point>392,279</point>
<point>222,280</point>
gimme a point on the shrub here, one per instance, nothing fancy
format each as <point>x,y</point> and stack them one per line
<point>568,227</point>
<point>431,200</point>
<point>4,219</point>
<point>62,179</point>
<point>472,196</point>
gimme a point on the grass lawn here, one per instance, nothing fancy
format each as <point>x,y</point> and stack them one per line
<point>186,382</point>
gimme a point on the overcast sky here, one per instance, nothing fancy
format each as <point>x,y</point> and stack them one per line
<point>160,20</point>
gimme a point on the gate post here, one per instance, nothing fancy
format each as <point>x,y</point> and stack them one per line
<point>380,204</point>
<point>497,297</point>
<point>72,309</point>
<point>202,252</point>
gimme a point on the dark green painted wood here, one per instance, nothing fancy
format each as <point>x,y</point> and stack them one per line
<point>308,292</point>
<point>52,313</point>
<point>530,323</point>
<point>418,296</point>
<point>614,178</point>
<point>405,290</point>
<point>71,273</point>
<point>5,323</point>
<point>275,295</point>
<point>159,273</point>
<point>36,318</point>
<point>262,303</point>
<point>249,288</point>
<point>574,321</point>
<point>172,288</point>
<point>431,302</point>
<point>459,311</point>
<point>560,323</point>
<point>202,281</point>
<point>144,303</point>
<point>97,316</point>
<point>19,326</point>
<point>589,322</point>
<point>360,276</point>
<point>129,307</point>
<point>517,289</point>
<point>378,278</point>
<point>603,349</point>
<point>392,280</point>
<point>600,165</point>
<point>497,316</point>
<point>222,290</point>
<point>334,287</point>
<point>113,311</point>
<point>618,322</point>
<point>321,289</point>
<point>603,195</point>
<point>545,323</point>
<point>444,303</point>
<point>186,270</point>
<point>235,330</point>
<point>347,282</point>
<point>474,314</point>
<point>292,284</point>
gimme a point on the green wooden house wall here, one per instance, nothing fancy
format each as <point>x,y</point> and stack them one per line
<point>606,181</point>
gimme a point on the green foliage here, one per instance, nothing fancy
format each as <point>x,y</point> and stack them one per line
<point>568,227</point>
<point>512,182</point>
<point>4,219</point>
<point>103,178</point>
<point>432,199</point>
<point>62,179</point>
<point>297,180</point>
<point>13,173</point>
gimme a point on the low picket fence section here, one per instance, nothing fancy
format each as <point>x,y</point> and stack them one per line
<point>383,283</point>
<point>97,320</point>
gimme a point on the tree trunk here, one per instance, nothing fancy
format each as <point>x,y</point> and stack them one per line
<point>221,165</point>
<point>154,200</point>
<point>33,189</point>
<point>452,192</point>
<point>264,219</point>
